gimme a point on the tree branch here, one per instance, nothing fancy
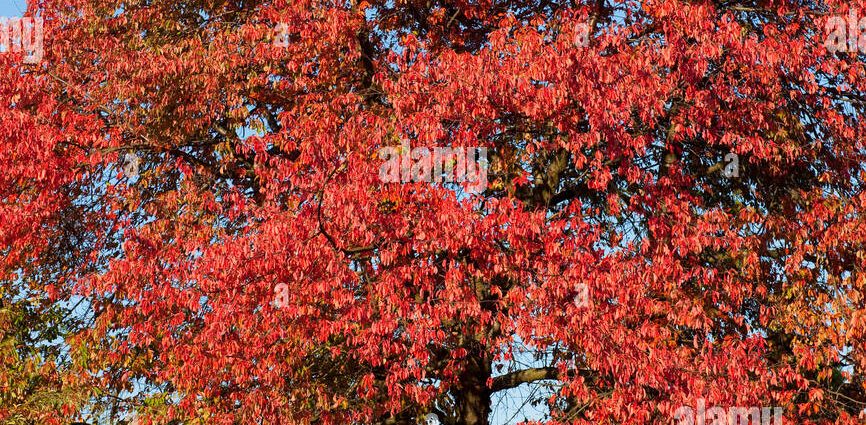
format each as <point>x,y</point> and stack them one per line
<point>524,376</point>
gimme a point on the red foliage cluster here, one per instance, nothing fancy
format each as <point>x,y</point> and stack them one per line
<point>609,176</point>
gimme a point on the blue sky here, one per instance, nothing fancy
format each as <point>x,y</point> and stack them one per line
<point>10,8</point>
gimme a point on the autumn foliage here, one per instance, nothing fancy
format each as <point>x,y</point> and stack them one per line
<point>148,292</point>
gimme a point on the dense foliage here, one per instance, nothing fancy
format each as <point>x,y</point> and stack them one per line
<point>694,167</point>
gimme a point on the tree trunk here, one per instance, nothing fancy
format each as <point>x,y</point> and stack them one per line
<point>473,405</point>
<point>473,397</point>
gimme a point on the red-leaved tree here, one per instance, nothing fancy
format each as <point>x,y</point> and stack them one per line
<point>671,212</point>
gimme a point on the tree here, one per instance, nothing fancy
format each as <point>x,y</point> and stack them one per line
<point>674,210</point>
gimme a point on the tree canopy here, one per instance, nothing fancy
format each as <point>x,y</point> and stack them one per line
<point>195,229</point>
